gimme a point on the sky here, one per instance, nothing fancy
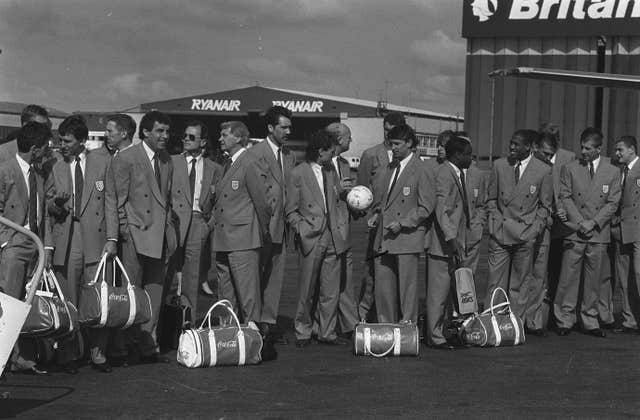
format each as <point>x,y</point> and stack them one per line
<point>92,55</point>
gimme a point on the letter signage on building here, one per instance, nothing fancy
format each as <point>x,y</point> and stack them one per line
<point>539,18</point>
<point>301,106</point>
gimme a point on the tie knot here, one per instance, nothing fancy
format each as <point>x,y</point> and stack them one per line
<point>394,164</point>
<point>78,159</point>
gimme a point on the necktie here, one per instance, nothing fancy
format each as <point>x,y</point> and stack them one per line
<point>591,169</point>
<point>227,165</point>
<point>33,201</point>
<point>395,178</point>
<point>280,159</point>
<point>625,174</point>
<point>517,172</point>
<point>325,188</point>
<point>192,178</point>
<point>465,199</point>
<point>77,188</point>
<point>156,170</point>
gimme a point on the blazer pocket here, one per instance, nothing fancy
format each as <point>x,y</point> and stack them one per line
<point>244,220</point>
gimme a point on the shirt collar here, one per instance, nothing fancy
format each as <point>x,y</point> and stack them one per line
<point>553,158</point>
<point>82,156</point>
<point>237,154</point>
<point>24,165</point>
<point>150,153</point>
<point>190,158</point>
<point>633,162</point>
<point>456,169</point>
<point>406,160</point>
<point>525,162</point>
<point>596,162</point>
<point>273,146</point>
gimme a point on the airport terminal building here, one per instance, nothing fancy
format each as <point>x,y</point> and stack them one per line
<point>596,36</point>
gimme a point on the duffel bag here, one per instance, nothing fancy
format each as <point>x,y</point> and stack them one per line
<point>496,326</point>
<point>105,305</point>
<point>380,340</point>
<point>51,315</point>
<point>230,345</point>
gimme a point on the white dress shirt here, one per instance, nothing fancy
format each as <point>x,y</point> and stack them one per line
<point>403,164</point>
<point>275,148</point>
<point>317,171</point>
<point>523,165</point>
<point>457,171</point>
<point>237,154</point>
<point>150,154</point>
<point>197,186</point>
<point>83,165</point>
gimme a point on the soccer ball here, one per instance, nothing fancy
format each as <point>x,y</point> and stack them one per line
<point>359,198</point>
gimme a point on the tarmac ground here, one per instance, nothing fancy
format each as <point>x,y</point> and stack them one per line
<point>577,376</point>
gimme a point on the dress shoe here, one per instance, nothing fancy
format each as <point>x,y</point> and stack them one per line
<point>34,370</point>
<point>70,368</point>
<point>563,332</point>
<point>154,358</point>
<point>281,340</point>
<point>101,367</point>
<point>268,352</point>
<point>597,332</point>
<point>346,336</point>
<point>608,326</point>
<point>120,361</point>
<point>625,330</point>
<point>443,346</point>
<point>338,341</point>
<point>303,342</point>
<point>540,332</point>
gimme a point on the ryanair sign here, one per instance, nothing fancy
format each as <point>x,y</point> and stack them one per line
<point>539,18</point>
<point>233,105</point>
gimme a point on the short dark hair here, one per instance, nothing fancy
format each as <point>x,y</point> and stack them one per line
<point>548,138</point>
<point>319,140</point>
<point>75,125</point>
<point>591,133</point>
<point>455,145</point>
<point>333,131</point>
<point>32,134</point>
<point>204,131</point>
<point>445,136</point>
<point>403,132</point>
<point>273,114</point>
<point>394,118</point>
<point>530,137</point>
<point>629,141</point>
<point>124,123</point>
<point>551,129</point>
<point>31,111</point>
<point>149,119</point>
<point>238,129</point>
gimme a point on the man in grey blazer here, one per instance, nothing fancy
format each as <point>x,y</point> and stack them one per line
<point>313,195</point>
<point>403,201</point>
<point>194,177</point>
<point>82,209</point>
<point>626,235</point>
<point>277,161</point>
<point>241,216</point>
<point>372,169</point>
<point>519,202</point>
<point>143,174</point>
<point>590,192</point>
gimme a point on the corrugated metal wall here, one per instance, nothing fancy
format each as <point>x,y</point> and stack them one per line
<point>527,103</point>
<point>624,110</point>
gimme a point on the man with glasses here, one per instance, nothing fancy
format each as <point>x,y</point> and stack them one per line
<point>191,193</point>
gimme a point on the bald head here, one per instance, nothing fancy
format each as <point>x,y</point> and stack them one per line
<point>340,135</point>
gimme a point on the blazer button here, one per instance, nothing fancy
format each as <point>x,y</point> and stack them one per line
<point>225,196</point>
<point>146,195</point>
<point>579,194</point>
<point>309,206</point>
<point>178,191</point>
<point>99,197</point>
<point>97,214</point>
<point>180,205</point>
<point>527,195</point>
<point>221,210</point>
<point>12,206</point>
<point>99,230</point>
<point>600,195</point>
<point>398,214</point>
<point>148,212</point>
<point>520,207</point>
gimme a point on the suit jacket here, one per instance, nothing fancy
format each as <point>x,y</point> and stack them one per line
<point>628,220</point>
<point>431,167</point>
<point>451,220</point>
<point>373,167</point>
<point>275,185</point>
<point>98,214</point>
<point>144,209</point>
<point>8,150</point>
<point>305,209</point>
<point>558,229</point>
<point>14,203</point>
<point>519,213</point>
<point>181,199</point>
<point>344,215</point>
<point>241,213</point>
<point>410,203</point>
<point>590,199</point>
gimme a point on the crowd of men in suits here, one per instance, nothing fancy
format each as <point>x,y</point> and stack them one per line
<point>169,218</point>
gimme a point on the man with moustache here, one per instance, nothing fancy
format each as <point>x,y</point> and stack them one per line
<point>192,198</point>
<point>626,235</point>
<point>241,216</point>
<point>82,205</point>
<point>372,169</point>
<point>119,132</point>
<point>519,202</point>
<point>590,192</point>
<point>143,174</point>
<point>455,239</point>
<point>277,162</point>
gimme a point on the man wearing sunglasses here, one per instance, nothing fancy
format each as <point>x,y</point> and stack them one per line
<point>191,195</point>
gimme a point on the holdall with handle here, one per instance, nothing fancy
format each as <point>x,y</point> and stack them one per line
<point>231,345</point>
<point>496,326</point>
<point>51,315</point>
<point>380,340</point>
<point>103,305</point>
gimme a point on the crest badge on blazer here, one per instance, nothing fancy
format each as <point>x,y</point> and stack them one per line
<point>476,192</point>
<point>235,185</point>
<point>532,189</point>
<point>406,191</point>
<point>100,186</point>
<point>605,189</point>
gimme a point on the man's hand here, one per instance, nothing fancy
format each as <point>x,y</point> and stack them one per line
<point>48,258</point>
<point>587,226</point>
<point>394,227</point>
<point>110,248</point>
<point>373,221</point>
<point>562,215</point>
<point>358,213</point>
<point>346,183</point>
<point>61,199</point>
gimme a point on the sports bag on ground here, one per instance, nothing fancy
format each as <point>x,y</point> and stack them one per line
<point>496,326</point>
<point>380,340</point>
<point>105,305</point>
<point>51,315</point>
<point>230,345</point>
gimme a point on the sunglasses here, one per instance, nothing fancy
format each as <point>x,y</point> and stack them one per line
<point>190,137</point>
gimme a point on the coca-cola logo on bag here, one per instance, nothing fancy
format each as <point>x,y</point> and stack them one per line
<point>118,298</point>
<point>227,344</point>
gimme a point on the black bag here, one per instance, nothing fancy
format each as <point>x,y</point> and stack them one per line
<point>175,317</point>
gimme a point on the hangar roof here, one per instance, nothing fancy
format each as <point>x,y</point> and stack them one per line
<point>15,108</point>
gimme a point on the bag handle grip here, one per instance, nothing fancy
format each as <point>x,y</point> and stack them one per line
<point>225,304</point>
<point>49,274</point>
<point>493,296</point>
<point>367,343</point>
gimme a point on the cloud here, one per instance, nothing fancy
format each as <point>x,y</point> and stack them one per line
<point>439,53</point>
<point>137,86</point>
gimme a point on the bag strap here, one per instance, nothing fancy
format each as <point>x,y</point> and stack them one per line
<point>225,304</point>
<point>100,271</point>
<point>49,274</point>
<point>367,342</point>
<point>493,296</point>
<point>117,261</point>
<point>179,277</point>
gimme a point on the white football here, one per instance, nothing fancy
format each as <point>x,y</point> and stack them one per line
<point>359,198</point>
